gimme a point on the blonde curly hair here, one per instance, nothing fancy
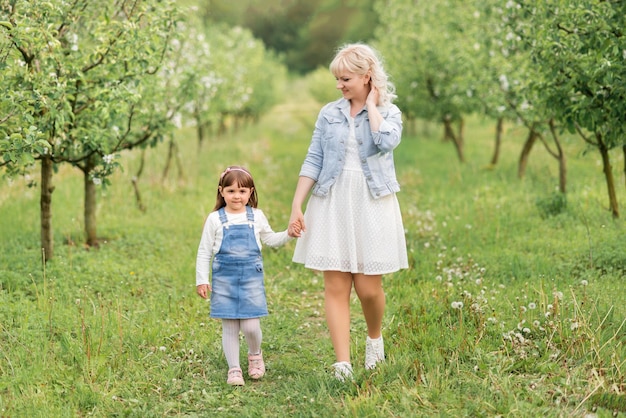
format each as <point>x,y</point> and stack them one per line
<point>360,59</point>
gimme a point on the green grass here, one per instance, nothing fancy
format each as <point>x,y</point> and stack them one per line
<point>119,331</point>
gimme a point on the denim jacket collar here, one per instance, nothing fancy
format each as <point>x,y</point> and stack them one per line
<point>344,106</point>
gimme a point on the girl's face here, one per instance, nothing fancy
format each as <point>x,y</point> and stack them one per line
<point>236,197</point>
<point>353,86</point>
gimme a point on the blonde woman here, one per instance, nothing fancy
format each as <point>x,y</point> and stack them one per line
<point>352,228</point>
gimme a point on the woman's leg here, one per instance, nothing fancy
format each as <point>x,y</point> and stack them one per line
<point>230,341</point>
<point>251,329</point>
<point>337,288</point>
<point>369,289</point>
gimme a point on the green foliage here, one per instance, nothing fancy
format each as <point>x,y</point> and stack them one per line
<point>527,61</point>
<point>322,85</point>
<point>304,33</point>
<point>552,205</point>
<point>579,50</point>
<point>79,75</point>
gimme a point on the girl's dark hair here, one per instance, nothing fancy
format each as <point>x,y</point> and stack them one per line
<point>242,178</point>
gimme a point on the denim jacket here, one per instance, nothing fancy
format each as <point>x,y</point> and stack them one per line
<point>326,155</point>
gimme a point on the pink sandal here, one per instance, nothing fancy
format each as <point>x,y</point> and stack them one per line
<point>256,366</point>
<point>235,377</point>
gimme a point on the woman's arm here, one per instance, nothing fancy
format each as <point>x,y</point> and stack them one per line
<point>296,221</point>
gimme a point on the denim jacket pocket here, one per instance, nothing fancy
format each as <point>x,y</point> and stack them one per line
<point>332,126</point>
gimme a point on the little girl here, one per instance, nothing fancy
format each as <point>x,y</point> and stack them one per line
<point>232,238</point>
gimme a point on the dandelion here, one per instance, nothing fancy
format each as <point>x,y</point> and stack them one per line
<point>574,326</point>
<point>457,305</point>
<point>584,282</point>
<point>536,324</point>
<point>162,348</point>
<point>532,305</point>
<point>526,330</point>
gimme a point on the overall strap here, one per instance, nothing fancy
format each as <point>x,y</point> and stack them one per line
<point>250,215</point>
<point>223,216</point>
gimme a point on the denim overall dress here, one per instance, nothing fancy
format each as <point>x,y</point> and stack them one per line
<point>237,285</point>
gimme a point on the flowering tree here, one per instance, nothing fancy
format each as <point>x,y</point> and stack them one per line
<point>430,57</point>
<point>578,50</point>
<point>554,65</point>
<point>504,82</point>
<point>230,74</point>
<point>78,72</point>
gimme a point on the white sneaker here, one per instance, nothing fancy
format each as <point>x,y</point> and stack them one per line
<point>374,352</point>
<point>343,371</point>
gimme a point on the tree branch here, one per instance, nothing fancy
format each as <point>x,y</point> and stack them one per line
<point>583,136</point>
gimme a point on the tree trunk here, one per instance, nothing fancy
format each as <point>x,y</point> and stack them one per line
<point>45,202</point>
<point>528,146</point>
<point>457,138</point>
<point>562,173</point>
<point>560,155</point>
<point>624,152</point>
<point>201,133</point>
<point>170,155</point>
<point>496,150</point>
<point>222,128</point>
<point>90,209</point>
<point>135,181</point>
<point>608,175</point>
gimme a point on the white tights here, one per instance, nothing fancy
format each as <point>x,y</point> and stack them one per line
<point>251,329</point>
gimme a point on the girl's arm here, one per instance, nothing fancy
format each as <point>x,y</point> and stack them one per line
<point>203,258</point>
<point>266,234</point>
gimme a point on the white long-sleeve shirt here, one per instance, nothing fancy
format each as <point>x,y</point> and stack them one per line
<point>213,233</point>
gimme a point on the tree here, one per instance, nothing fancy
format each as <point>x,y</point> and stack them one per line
<point>229,74</point>
<point>429,55</point>
<point>83,70</point>
<point>577,49</point>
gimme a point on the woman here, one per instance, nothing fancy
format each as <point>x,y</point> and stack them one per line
<point>352,229</point>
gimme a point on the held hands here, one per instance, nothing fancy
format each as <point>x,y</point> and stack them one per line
<point>296,225</point>
<point>203,290</point>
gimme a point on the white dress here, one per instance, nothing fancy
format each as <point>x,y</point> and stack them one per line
<point>348,230</point>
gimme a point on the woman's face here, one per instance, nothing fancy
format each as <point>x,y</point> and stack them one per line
<point>353,86</point>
